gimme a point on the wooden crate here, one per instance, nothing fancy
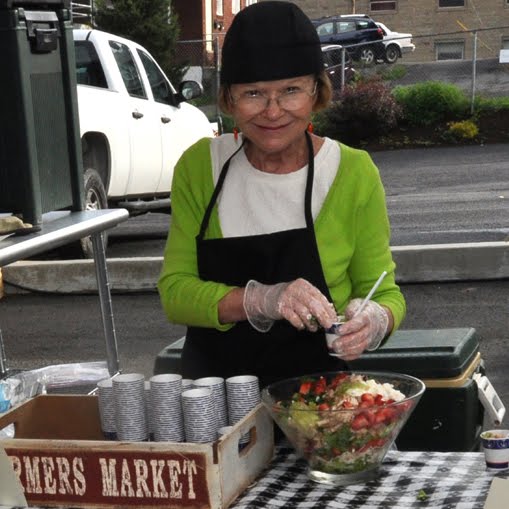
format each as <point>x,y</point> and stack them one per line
<point>61,459</point>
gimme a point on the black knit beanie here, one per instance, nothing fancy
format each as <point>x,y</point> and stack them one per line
<point>271,40</point>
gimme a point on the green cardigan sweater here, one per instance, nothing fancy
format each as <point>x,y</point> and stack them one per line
<point>352,232</point>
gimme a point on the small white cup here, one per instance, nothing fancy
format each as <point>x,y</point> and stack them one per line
<point>495,444</point>
<point>331,334</point>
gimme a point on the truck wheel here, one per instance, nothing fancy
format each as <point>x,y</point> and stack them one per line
<point>391,54</point>
<point>95,199</point>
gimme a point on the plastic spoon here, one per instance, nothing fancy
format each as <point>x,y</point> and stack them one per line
<point>371,292</point>
<point>331,333</point>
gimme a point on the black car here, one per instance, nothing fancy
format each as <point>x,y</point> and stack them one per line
<point>351,30</point>
<point>333,60</point>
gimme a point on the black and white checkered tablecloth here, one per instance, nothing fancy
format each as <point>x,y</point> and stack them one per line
<point>452,480</point>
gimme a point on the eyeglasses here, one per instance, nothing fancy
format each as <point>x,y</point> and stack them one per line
<point>255,101</point>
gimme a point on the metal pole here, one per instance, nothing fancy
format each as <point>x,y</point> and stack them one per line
<point>103,287</point>
<point>474,70</point>
<point>3,358</point>
<point>343,63</point>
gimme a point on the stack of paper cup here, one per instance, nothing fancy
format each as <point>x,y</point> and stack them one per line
<point>166,408</point>
<point>216,384</point>
<point>148,411</point>
<point>107,408</point>
<point>199,415</point>
<point>242,395</point>
<point>129,401</point>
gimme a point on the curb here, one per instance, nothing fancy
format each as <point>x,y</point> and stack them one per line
<point>415,264</point>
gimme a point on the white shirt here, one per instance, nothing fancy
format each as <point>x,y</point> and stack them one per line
<point>254,202</point>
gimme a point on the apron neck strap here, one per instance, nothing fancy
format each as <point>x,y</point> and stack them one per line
<point>217,190</point>
<point>309,182</point>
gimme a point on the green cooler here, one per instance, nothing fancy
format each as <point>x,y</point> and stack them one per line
<point>449,416</point>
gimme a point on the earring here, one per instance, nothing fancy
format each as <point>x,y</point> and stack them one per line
<point>236,133</point>
<point>310,127</point>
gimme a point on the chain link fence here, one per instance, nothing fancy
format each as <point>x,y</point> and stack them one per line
<point>469,59</point>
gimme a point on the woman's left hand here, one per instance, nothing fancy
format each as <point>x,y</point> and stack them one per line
<point>362,331</point>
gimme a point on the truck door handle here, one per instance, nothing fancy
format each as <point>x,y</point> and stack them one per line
<point>165,119</point>
<point>137,114</point>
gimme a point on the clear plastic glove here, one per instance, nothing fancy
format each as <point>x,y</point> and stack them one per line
<point>364,331</point>
<point>299,302</point>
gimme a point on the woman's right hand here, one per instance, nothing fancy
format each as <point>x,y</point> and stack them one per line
<point>298,301</point>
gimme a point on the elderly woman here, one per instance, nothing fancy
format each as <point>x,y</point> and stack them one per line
<point>276,230</point>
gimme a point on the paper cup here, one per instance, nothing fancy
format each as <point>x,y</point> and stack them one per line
<point>200,420</point>
<point>166,408</point>
<point>331,334</point>
<point>217,385</point>
<point>495,444</point>
<point>107,408</point>
<point>129,401</point>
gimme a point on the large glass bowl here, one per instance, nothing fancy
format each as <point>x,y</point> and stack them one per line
<point>342,445</point>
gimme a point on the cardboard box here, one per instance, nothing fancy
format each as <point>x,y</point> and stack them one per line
<point>61,459</point>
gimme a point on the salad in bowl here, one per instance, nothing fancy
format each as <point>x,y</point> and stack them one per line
<point>343,423</point>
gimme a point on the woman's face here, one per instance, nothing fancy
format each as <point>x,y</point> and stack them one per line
<point>273,114</point>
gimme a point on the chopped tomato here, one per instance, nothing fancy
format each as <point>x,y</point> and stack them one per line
<point>347,404</point>
<point>379,400</point>
<point>368,398</point>
<point>305,387</point>
<point>321,385</point>
<point>385,415</point>
<point>380,417</point>
<point>370,416</point>
<point>338,379</point>
<point>324,406</point>
<point>377,442</point>
<point>359,422</point>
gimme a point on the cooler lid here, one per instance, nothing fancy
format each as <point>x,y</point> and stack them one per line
<point>423,353</point>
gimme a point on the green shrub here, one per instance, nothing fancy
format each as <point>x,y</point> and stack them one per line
<point>363,110</point>
<point>394,72</point>
<point>463,130</point>
<point>431,102</point>
<point>483,104</point>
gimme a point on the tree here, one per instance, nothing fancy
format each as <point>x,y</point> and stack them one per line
<point>147,22</point>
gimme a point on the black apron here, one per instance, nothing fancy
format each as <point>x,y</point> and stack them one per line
<point>269,258</point>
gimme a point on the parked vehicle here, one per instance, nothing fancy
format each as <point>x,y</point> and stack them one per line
<point>351,31</point>
<point>396,44</point>
<point>333,60</point>
<point>134,124</point>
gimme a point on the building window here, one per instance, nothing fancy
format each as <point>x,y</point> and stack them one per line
<point>453,50</point>
<point>384,5</point>
<point>219,7</point>
<point>235,6</point>
<point>451,3</point>
<point>505,43</point>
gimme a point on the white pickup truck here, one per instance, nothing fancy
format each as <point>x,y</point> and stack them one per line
<point>134,124</point>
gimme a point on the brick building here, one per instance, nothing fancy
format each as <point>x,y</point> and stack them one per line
<point>206,20</point>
